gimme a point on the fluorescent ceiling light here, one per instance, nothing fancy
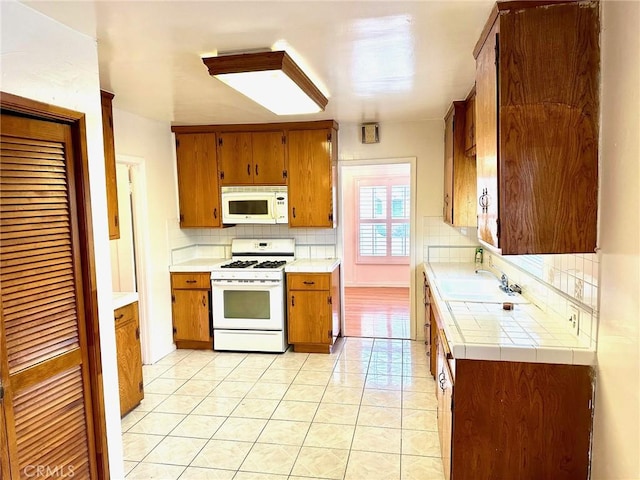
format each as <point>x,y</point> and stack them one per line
<point>271,79</point>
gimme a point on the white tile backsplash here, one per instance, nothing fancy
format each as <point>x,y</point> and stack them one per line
<point>553,282</point>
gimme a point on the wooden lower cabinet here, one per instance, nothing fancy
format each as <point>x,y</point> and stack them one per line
<point>129,357</point>
<point>191,310</point>
<point>500,420</point>
<point>313,311</point>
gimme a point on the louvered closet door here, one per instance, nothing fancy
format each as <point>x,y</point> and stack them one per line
<point>43,357</point>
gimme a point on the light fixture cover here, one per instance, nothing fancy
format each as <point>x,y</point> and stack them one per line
<point>271,79</point>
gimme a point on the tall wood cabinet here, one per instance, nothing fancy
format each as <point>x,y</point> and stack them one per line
<point>198,189</point>
<point>191,310</point>
<point>106,99</point>
<point>537,110</point>
<point>313,311</point>
<point>312,174</point>
<point>129,357</point>
<point>459,169</point>
<point>252,158</point>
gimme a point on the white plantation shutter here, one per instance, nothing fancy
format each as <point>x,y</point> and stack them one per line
<point>383,220</point>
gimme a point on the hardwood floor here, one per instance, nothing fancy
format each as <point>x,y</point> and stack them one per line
<point>380,312</point>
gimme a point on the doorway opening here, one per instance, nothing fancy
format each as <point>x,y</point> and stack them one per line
<point>376,244</point>
<point>129,253</point>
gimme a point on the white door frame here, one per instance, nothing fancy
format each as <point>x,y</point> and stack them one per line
<point>412,161</point>
<point>141,245</point>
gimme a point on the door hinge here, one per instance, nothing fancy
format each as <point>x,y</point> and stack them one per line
<point>497,227</point>
<point>1,392</point>
<point>330,300</point>
<point>181,218</point>
<point>137,333</point>
<point>175,330</point>
<point>173,298</point>
<point>221,175</point>
<point>177,143</point>
<point>220,141</point>
<point>141,386</point>
<point>328,137</point>
<point>497,50</point>
<point>331,217</point>
<point>330,333</point>
<point>284,139</point>
<point>284,174</point>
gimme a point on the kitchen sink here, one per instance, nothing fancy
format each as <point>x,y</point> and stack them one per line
<point>480,291</point>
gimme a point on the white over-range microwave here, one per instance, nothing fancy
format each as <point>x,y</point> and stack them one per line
<point>259,204</point>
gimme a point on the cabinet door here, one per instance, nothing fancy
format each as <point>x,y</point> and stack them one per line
<point>487,139</point>
<point>470,126</point>
<point>191,315</point>
<point>198,190</point>
<point>268,158</point>
<point>129,358</point>
<point>110,165</point>
<point>309,317</point>
<point>447,211</point>
<point>235,158</point>
<point>444,392</point>
<point>310,178</point>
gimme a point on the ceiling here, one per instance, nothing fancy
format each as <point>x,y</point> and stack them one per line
<point>375,60</point>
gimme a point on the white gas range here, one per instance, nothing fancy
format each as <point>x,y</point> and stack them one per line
<point>248,296</point>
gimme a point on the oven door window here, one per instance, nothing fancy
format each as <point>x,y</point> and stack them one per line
<point>247,304</point>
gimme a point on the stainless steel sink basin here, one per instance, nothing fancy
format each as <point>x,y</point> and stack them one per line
<point>479,291</point>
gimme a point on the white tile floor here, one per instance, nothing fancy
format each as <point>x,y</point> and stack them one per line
<point>367,411</point>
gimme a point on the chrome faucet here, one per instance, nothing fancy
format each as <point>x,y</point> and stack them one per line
<point>503,279</point>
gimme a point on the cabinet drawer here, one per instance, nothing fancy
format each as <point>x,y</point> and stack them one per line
<point>191,280</point>
<point>126,314</point>
<point>309,281</point>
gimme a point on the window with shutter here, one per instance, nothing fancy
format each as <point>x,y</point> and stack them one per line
<point>383,220</point>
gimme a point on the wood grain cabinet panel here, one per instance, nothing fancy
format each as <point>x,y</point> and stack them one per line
<point>470,124</point>
<point>313,311</point>
<point>198,189</point>
<point>106,99</point>
<point>191,310</point>
<point>252,158</point>
<point>537,111</point>
<point>129,356</point>
<point>312,174</point>
<point>459,170</point>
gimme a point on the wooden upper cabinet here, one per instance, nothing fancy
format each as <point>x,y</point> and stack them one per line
<point>312,166</point>
<point>110,164</point>
<point>252,158</point>
<point>198,189</point>
<point>470,124</point>
<point>537,130</point>
<point>459,171</point>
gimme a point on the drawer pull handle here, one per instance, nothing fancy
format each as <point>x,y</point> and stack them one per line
<point>192,281</point>
<point>306,282</point>
<point>119,316</point>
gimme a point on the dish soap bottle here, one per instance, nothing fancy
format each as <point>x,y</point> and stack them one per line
<point>479,257</point>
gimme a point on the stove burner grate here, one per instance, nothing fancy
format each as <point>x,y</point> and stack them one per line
<point>240,264</point>
<point>271,264</point>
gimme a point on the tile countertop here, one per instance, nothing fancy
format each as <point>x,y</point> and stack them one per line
<point>312,265</point>
<point>121,299</point>
<point>484,331</point>
<point>196,265</point>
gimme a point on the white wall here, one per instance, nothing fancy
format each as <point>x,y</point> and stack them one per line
<point>46,61</point>
<point>423,140</point>
<point>152,141</point>
<point>617,421</point>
